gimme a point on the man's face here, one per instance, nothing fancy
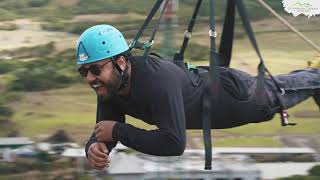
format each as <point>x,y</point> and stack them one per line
<point>102,77</point>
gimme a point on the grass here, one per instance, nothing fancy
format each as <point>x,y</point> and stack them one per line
<point>247,141</point>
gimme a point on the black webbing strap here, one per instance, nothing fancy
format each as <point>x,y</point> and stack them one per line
<point>211,96</point>
<point>135,42</point>
<point>226,42</point>
<point>261,68</point>
<point>211,93</point>
<point>155,29</point>
<point>187,35</point>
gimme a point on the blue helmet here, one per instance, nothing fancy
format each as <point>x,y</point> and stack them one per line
<point>98,43</point>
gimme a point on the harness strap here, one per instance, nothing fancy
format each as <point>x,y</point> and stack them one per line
<point>211,93</point>
<point>211,97</point>
<point>151,40</point>
<point>261,68</point>
<point>188,33</point>
<point>135,42</point>
<point>226,41</point>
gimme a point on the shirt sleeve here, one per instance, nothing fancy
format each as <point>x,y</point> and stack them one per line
<point>105,111</point>
<point>167,109</point>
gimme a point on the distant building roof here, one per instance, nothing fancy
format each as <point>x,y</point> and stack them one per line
<point>74,152</point>
<point>12,142</point>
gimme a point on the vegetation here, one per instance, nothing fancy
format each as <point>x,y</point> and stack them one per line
<point>26,52</point>
<point>48,10</point>
<point>8,27</point>
<point>44,72</point>
<point>314,174</point>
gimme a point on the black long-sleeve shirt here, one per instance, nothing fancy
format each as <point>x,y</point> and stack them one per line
<point>161,94</point>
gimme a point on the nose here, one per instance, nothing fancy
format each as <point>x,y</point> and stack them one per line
<point>90,77</point>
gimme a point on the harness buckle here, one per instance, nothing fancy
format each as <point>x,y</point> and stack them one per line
<point>283,92</point>
<point>213,33</point>
<point>187,34</point>
<point>142,46</point>
<point>285,119</point>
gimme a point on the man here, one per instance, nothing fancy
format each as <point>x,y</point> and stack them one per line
<point>159,93</point>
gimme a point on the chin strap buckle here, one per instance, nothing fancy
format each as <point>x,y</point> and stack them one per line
<point>285,119</point>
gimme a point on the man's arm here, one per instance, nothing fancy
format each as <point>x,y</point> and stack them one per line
<point>105,111</point>
<point>167,108</point>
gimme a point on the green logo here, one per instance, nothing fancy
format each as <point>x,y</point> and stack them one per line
<point>302,5</point>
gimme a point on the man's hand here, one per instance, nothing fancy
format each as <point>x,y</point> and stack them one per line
<point>103,130</point>
<point>98,156</point>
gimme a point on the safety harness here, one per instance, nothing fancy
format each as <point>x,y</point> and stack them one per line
<point>215,97</point>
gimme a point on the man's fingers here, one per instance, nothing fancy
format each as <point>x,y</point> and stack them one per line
<point>98,166</point>
<point>96,158</point>
<point>98,130</point>
<point>97,152</point>
<point>99,137</point>
<point>97,125</point>
<point>103,148</point>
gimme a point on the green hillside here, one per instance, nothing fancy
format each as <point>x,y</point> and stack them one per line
<point>64,9</point>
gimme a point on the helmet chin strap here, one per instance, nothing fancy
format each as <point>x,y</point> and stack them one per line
<point>123,73</point>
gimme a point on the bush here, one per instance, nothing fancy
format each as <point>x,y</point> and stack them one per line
<point>315,171</point>
<point>7,15</point>
<point>39,79</point>
<point>5,112</point>
<point>38,3</point>
<point>8,97</point>
<point>300,177</point>
<point>6,66</point>
<point>47,73</point>
<point>8,27</point>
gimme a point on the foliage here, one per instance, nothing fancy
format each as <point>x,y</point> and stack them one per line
<point>300,177</point>
<point>38,3</point>
<point>37,76</point>
<point>60,136</point>
<point>45,72</point>
<point>5,112</point>
<point>314,174</point>
<point>7,15</point>
<point>47,163</point>
<point>44,10</point>
<point>8,27</point>
<point>315,171</point>
<point>6,66</point>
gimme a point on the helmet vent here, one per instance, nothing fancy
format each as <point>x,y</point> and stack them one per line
<point>108,51</point>
<point>103,42</point>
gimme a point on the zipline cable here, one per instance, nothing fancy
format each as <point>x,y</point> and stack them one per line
<point>286,23</point>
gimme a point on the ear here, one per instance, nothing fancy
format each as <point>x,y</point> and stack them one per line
<point>121,61</point>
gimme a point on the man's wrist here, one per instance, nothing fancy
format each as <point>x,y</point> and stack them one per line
<point>115,131</point>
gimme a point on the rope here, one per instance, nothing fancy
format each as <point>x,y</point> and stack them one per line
<point>286,23</point>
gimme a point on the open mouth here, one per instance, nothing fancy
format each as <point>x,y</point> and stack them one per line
<point>96,85</point>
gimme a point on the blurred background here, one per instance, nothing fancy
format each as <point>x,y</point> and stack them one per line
<point>47,111</point>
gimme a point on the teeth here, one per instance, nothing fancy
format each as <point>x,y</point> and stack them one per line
<point>96,85</point>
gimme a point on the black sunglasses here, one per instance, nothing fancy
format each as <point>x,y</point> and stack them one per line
<point>95,69</point>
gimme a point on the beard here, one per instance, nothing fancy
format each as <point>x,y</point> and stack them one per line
<point>112,86</point>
